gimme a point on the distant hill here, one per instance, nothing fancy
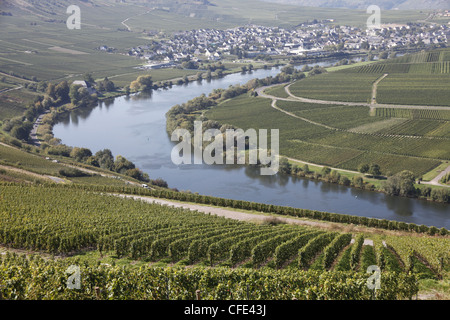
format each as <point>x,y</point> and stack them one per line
<point>358,4</point>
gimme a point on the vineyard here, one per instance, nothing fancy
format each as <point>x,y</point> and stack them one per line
<point>68,221</point>
<point>349,144</point>
<point>415,79</point>
<point>346,137</point>
<point>336,86</point>
<point>37,279</point>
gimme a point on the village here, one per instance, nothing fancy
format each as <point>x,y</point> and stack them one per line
<point>259,42</point>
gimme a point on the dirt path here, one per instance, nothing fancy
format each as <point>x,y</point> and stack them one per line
<point>274,99</point>
<point>11,89</point>
<point>342,103</point>
<point>274,105</point>
<point>36,175</point>
<point>127,26</point>
<point>375,87</point>
<point>236,215</point>
<point>59,180</point>
<point>322,166</point>
<point>33,133</point>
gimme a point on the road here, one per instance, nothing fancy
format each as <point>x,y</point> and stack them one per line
<point>36,175</point>
<point>33,133</point>
<point>236,215</point>
<point>10,89</point>
<point>374,89</point>
<point>435,181</point>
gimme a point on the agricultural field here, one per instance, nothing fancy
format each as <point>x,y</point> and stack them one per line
<point>76,223</point>
<point>139,230</point>
<point>336,86</point>
<point>415,89</point>
<point>17,158</point>
<point>347,146</point>
<point>347,136</point>
<point>414,79</point>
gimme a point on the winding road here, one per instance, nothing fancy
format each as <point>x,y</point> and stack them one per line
<point>261,93</point>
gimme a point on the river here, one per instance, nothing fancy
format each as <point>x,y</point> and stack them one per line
<point>135,127</point>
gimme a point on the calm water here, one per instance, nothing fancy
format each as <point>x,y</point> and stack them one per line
<point>135,127</point>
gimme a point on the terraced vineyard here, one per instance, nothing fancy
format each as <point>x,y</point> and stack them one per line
<point>126,228</point>
<point>291,258</point>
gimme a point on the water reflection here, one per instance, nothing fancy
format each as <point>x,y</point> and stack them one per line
<point>401,207</point>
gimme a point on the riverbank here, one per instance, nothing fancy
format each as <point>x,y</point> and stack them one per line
<point>136,127</point>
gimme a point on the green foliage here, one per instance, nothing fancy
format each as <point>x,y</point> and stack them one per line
<point>72,172</point>
<point>400,184</point>
<point>315,246</point>
<point>356,251</point>
<point>142,83</point>
<point>334,248</point>
<point>42,280</point>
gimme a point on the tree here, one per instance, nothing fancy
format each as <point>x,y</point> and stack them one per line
<point>284,166</point>
<point>73,93</point>
<point>306,169</point>
<point>384,55</point>
<point>51,91</point>
<point>374,170</point>
<point>142,83</point>
<point>400,184</point>
<point>88,78</point>
<point>364,168</point>
<point>106,85</point>
<point>121,165</point>
<point>325,171</point>
<point>105,159</point>
<point>22,131</point>
<point>80,154</point>
<point>137,174</point>
<point>334,176</point>
<point>62,91</point>
<point>289,69</point>
<point>358,181</point>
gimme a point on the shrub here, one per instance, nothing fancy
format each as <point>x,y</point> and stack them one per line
<point>72,172</point>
